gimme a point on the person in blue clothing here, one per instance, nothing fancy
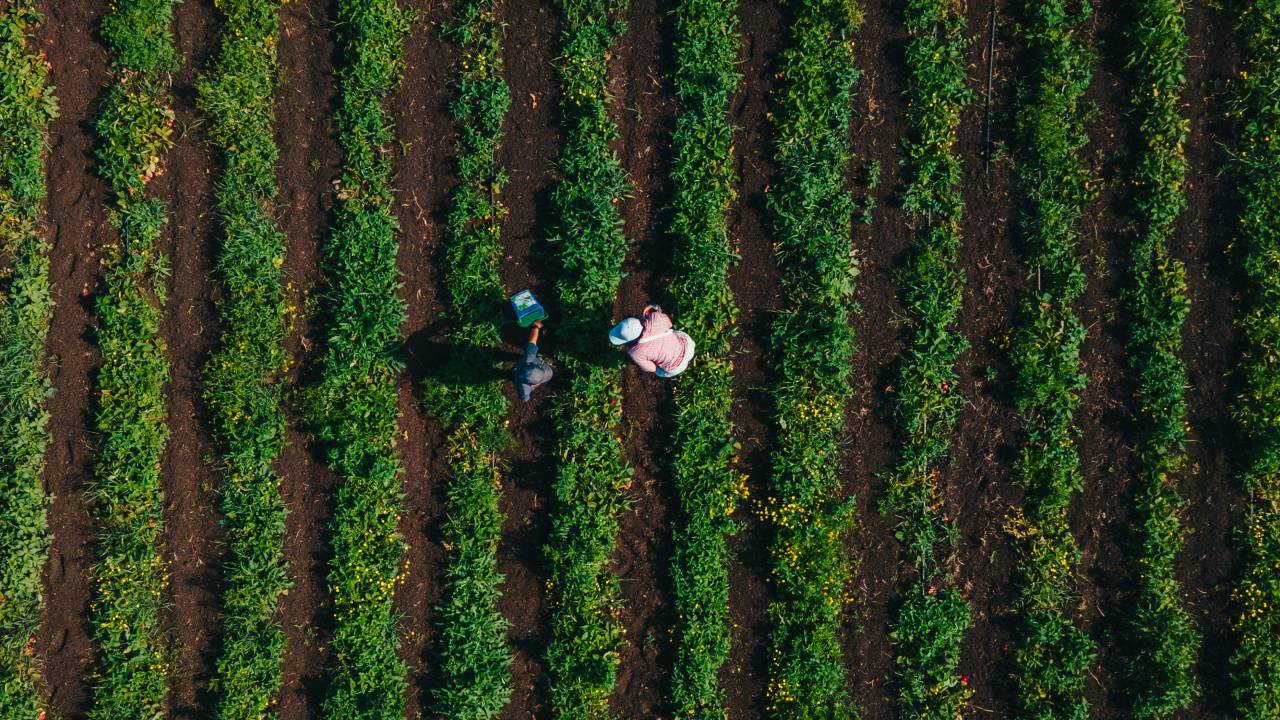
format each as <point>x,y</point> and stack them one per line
<point>532,370</point>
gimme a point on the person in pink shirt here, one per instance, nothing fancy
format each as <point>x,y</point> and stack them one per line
<point>652,344</point>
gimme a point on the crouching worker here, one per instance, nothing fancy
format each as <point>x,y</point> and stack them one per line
<point>652,344</point>
<point>532,370</point>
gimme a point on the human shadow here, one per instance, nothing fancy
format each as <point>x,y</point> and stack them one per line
<point>429,355</point>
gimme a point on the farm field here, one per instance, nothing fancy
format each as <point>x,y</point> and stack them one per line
<point>976,429</point>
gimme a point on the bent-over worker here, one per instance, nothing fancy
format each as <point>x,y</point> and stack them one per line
<point>532,370</point>
<point>652,344</point>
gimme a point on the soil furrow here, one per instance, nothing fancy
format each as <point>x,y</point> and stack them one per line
<point>529,148</point>
<point>879,125</point>
<point>755,285</point>
<point>77,213</point>
<point>644,109</point>
<point>1215,507</point>
<point>1102,512</point>
<point>193,537</point>
<point>308,162</point>
<point>978,488</point>
<point>424,176</point>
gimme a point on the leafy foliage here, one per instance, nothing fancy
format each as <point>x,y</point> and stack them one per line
<point>706,481</point>
<point>354,405</point>
<point>812,346</point>
<point>1257,659</point>
<point>1052,655</point>
<point>136,128</point>
<point>592,475</point>
<point>933,618</point>
<point>1161,637</point>
<point>474,656</point>
<point>242,375</point>
<point>27,105</point>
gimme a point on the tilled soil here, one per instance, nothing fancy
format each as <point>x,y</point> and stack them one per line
<point>756,290</point>
<point>77,213</point>
<point>309,160</point>
<point>978,487</point>
<point>530,147</point>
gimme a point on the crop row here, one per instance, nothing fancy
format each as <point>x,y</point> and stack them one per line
<point>1161,637</point>
<point>136,128</point>
<point>592,474</point>
<point>468,393</point>
<point>1052,655</point>
<point>812,348</point>
<point>1256,662</point>
<point>933,616</point>
<point>353,406</point>
<point>707,483</point>
<point>242,375</point>
<point>27,106</point>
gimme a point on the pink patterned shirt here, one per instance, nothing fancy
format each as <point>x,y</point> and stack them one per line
<point>658,346</point>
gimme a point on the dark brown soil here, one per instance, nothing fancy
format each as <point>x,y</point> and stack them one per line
<point>309,160</point>
<point>1101,516</point>
<point>193,539</point>
<point>644,108</point>
<point>878,126</point>
<point>978,488</point>
<point>425,177</point>
<point>756,290</point>
<point>529,148</point>
<point>77,219</point>
<point>1215,502</point>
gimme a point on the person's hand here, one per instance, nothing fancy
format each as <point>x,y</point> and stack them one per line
<point>537,324</point>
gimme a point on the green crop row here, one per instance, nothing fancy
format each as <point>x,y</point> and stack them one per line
<point>354,407</point>
<point>592,474</point>
<point>1162,639</point>
<point>27,105</point>
<point>242,375</point>
<point>934,616</point>
<point>704,464</point>
<point>474,659</point>
<point>136,128</point>
<point>1256,662</point>
<point>812,348</point>
<point>1052,655</point>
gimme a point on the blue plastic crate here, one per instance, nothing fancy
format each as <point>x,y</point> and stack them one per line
<point>527,308</point>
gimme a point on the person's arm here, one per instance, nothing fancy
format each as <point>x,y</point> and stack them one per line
<point>531,347</point>
<point>643,362</point>
<point>656,322</point>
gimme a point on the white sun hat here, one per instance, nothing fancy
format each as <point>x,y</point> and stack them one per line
<point>625,331</point>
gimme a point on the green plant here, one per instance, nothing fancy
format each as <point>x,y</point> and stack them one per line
<point>136,128</point>
<point>353,407</point>
<point>242,375</point>
<point>1256,662</point>
<point>27,105</point>
<point>812,344</point>
<point>870,181</point>
<point>592,474</point>
<point>474,657</point>
<point>1159,632</point>
<point>1051,655</point>
<point>703,467</point>
<point>934,616</point>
